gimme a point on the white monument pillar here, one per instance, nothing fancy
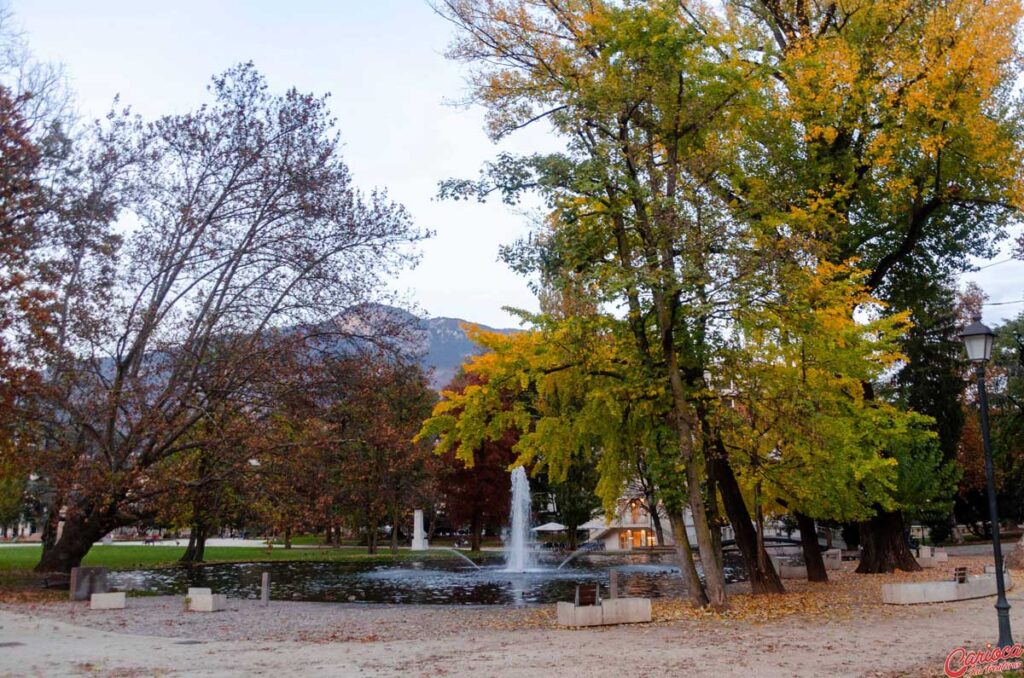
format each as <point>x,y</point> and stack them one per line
<point>419,539</point>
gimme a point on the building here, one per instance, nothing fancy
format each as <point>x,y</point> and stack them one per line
<point>632,527</point>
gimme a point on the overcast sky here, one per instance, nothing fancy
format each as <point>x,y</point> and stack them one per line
<point>383,62</point>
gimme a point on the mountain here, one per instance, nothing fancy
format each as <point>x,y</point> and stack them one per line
<point>445,347</point>
<point>441,343</point>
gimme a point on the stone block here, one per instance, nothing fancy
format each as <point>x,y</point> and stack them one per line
<point>793,571</point>
<point>587,615</point>
<point>626,611</point>
<point>108,601</point>
<point>991,569</point>
<point>86,581</point>
<point>833,559</point>
<point>214,602</point>
<point>924,551</point>
<point>927,562</point>
<point>194,591</point>
<point>940,556</point>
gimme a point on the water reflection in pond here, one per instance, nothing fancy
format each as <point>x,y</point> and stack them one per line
<point>420,582</point>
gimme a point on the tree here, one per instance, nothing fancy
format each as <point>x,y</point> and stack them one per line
<point>13,486</point>
<point>476,491</point>
<point>632,219</point>
<point>893,127</point>
<point>22,302</point>
<point>247,225</point>
<point>569,399</point>
<point>704,145</point>
<point>374,411</point>
<point>796,424</point>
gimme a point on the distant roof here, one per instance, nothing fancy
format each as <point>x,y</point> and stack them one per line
<point>595,524</point>
<point>550,527</point>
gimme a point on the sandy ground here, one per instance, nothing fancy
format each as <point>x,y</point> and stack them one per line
<point>156,637</point>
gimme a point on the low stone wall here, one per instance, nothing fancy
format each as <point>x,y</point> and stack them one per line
<point>976,586</point>
<point>610,611</point>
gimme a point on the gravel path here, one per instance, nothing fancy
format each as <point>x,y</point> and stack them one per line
<point>156,637</point>
<point>282,620</point>
<point>454,642</point>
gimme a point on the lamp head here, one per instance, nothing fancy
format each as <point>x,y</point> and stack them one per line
<point>978,341</point>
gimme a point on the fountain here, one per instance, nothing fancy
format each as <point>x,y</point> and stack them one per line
<point>523,579</point>
<point>518,556</point>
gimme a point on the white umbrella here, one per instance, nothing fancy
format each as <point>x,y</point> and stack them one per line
<point>550,527</point>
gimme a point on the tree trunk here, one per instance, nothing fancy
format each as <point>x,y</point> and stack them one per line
<point>371,538</point>
<point>651,498</point>
<point>762,580</point>
<point>694,588</point>
<point>201,547</point>
<point>75,541</point>
<point>196,549</point>
<point>190,549</point>
<point>659,531</point>
<point>394,529</point>
<point>1015,559</point>
<point>715,525</point>
<point>49,536</point>
<point>571,535</point>
<point>476,528</point>
<point>714,578</point>
<point>287,536</point>
<point>812,551</point>
<point>884,545</point>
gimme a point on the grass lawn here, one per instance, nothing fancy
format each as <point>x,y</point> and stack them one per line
<point>129,557</point>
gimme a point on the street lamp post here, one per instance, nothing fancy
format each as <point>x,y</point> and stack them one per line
<point>978,342</point>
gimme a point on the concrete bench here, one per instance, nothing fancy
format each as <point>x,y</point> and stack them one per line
<point>973,586</point>
<point>108,601</point>
<point>608,612</point>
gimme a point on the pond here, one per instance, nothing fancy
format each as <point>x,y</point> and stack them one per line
<point>429,582</point>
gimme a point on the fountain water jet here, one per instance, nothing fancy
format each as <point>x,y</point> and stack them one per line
<point>460,554</point>
<point>582,549</point>
<point>517,551</point>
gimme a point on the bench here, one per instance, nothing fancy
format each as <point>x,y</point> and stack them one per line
<point>960,575</point>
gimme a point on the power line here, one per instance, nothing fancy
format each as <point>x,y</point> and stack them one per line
<point>1003,303</point>
<point>996,263</point>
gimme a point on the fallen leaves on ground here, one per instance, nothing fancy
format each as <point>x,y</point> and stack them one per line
<point>844,595</point>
